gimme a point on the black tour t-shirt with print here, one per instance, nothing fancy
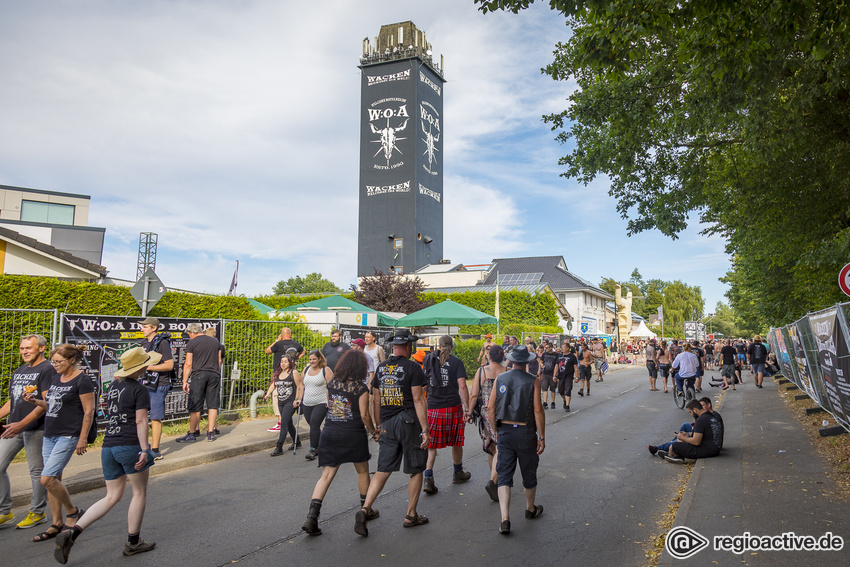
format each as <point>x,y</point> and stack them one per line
<point>443,389</point>
<point>39,376</point>
<point>281,347</point>
<point>548,361</point>
<point>567,366</point>
<point>123,398</point>
<point>344,404</point>
<point>285,386</point>
<point>395,378</point>
<point>64,416</point>
<point>758,353</point>
<point>712,432</point>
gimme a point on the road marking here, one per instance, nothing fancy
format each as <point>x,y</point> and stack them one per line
<point>629,390</point>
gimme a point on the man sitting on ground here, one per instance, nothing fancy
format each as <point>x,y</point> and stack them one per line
<point>687,427</point>
<point>704,442</point>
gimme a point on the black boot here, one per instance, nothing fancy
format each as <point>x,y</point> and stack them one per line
<point>278,450</point>
<point>311,524</point>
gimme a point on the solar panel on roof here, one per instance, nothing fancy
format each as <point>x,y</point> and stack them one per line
<point>520,279</point>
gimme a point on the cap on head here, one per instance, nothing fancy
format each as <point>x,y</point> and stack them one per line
<point>152,321</point>
<point>359,342</point>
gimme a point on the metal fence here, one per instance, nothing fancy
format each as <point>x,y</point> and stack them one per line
<point>14,324</point>
<point>245,345</point>
<point>814,353</point>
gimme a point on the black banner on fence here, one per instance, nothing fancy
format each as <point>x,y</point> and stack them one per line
<point>107,337</point>
<point>828,336</point>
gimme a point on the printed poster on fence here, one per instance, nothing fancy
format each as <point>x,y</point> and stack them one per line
<point>802,364</point>
<point>782,355</point>
<point>107,337</point>
<point>833,359</point>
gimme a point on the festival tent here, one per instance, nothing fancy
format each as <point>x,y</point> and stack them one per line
<point>446,313</point>
<point>642,332</point>
<point>341,304</point>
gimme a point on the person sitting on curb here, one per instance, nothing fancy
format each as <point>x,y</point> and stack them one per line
<point>687,427</point>
<point>704,442</point>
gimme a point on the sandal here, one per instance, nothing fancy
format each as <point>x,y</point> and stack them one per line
<point>413,521</point>
<point>78,513</point>
<point>47,534</point>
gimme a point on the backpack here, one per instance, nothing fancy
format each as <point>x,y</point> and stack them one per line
<point>151,379</point>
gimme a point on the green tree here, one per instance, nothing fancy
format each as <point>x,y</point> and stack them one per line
<point>311,283</point>
<point>735,114</point>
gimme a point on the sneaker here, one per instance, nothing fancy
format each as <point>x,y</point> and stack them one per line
<point>211,436</point>
<point>188,438</point>
<point>492,490</point>
<point>274,428</point>
<point>674,460</point>
<point>461,476</point>
<point>157,456</point>
<point>661,453</point>
<point>428,486</point>
<point>64,543</point>
<point>652,449</point>
<point>588,392</point>
<point>567,409</point>
<point>32,520</point>
<point>6,520</point>
<point>581,392</point>
<point>141,547</point>
<point>216,431</point>
<point>566,406</point>
<point>531,514</point>
<point>312,454</point>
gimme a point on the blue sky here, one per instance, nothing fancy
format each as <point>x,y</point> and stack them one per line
<point>231,130</point>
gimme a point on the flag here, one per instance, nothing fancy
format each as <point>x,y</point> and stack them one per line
<point>496,314</point>
<point>234,282</point>
<point>660,312</point>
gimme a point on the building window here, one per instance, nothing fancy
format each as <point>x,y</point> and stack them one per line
<point>52,213</point>
<point>398,242</point>
<point>397,270</point>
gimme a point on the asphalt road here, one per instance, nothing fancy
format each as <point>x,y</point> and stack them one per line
<point>602,492</point>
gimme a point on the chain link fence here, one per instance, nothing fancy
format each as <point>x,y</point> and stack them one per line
<point>14,324</point>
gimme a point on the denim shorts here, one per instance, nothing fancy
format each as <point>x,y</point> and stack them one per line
<point>56,452</point>
<point>758,368</point>
<point>121,460</point>
<point>158,401</point>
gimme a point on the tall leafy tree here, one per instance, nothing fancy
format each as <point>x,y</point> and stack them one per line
<point>311,283</point>
<point>733,114</point>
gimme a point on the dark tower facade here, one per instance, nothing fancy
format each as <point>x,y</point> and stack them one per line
<point>401,153</point>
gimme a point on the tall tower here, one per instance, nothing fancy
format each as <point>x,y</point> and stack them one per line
<point>401,153</point>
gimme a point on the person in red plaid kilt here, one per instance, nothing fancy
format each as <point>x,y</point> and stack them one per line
<point>448,410</point>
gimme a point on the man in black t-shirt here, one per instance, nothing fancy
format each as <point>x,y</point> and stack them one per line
<point>756,357</point>
<point>285,345</point>
<point>728,355</point>
<point>25,430</point>
<point>704,442</point>
<point>401,423</point>
<point>157,378</point>
<point>203,366</point>
<point>567,365</point>
<point>548,377</point>
<point>334,349</point>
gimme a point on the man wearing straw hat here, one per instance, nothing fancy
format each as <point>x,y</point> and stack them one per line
<point>516,410</point>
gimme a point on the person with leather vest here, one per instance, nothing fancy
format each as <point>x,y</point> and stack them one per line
<point>520,427</point>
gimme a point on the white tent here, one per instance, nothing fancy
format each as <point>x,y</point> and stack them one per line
<point>643,332</point>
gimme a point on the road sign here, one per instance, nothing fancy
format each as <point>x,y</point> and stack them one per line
<point>844,279</point>
<point>147,291</point>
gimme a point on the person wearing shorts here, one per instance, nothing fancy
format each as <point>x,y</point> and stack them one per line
<point>158,377</point>
<point>448,409</point>
<point>567,364</point>
<point>401,429</point>
<point>126,454</point>
<point>520,422</point>
<point>652,364</point>
<point>584,371</point>
<point>203,366</point>
<point>68,400</point>
<point>548,374</point>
